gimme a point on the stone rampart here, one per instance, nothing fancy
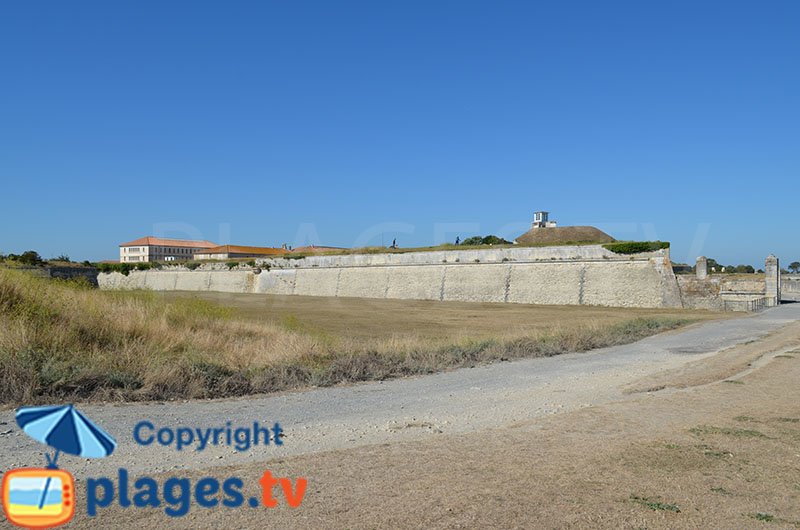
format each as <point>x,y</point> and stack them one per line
<point>570,275</point>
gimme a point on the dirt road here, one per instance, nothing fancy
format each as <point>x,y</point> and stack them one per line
<point>486,445</point>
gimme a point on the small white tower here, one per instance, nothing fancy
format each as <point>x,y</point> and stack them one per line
<point>540,220</point>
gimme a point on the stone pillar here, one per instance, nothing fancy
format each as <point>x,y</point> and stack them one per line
<point>772,272</point>
<point>701,269</point>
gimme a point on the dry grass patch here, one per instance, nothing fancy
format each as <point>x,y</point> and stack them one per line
<point>378,319</point>
<point>727,431</point>
<point>66,341</point>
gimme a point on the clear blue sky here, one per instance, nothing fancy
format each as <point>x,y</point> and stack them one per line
<point>335,122</point>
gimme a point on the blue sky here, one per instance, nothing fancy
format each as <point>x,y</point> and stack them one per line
<point>343,123</point>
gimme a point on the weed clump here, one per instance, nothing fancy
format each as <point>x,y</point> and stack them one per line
<point>655,505</point>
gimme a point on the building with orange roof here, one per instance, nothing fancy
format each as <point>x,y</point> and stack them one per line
<point>238,251</point>
<point>151,248</point>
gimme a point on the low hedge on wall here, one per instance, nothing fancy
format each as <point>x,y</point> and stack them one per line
<point>126,268</point>
<point>635,247</point>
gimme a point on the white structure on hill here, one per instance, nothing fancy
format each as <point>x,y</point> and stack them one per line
<point>540,220</point>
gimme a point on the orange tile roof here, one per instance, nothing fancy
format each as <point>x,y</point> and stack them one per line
<point>185,243</point>
<point>238,249</point>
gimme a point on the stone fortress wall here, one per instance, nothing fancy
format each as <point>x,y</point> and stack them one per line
<point>724,292</point>
<point>563,275</point>
<point>790,287</point>
<point>63,273</point>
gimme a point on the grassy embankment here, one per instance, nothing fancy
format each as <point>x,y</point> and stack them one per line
<point>64,341</point>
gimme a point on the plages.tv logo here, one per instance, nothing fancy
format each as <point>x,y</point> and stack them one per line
<point>45,497</point>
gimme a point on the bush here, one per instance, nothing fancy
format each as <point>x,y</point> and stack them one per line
<point>485,240</point>
<point>29,257</point>
<point>122,268</point>
<point>635,247</point>
<point>715,267</point>
<point>192,265</point>
<point>232,264</point>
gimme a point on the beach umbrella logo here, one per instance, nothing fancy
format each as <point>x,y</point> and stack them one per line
<point>45,497</point>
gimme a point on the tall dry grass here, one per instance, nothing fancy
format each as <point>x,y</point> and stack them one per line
<point>63,341</point>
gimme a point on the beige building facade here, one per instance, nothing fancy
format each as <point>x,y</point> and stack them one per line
<point>150,249</point>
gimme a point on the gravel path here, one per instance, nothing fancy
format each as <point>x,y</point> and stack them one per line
<point>459,401</point>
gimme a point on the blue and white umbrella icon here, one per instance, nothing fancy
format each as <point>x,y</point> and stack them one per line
<point>65,429</point>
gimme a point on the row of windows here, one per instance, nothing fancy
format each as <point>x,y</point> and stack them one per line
<point>159,250</point>
<point>174,250</point>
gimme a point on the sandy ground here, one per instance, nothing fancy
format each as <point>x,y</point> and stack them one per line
<point>571,441</point>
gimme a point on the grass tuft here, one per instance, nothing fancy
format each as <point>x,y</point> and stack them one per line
<point>655,505</point>
<point>728,431</point>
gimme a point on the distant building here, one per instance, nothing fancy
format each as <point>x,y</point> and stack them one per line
<point>237,251</point>
<point>545,232</point>
<point>540,220</point>
<point>160,249</point>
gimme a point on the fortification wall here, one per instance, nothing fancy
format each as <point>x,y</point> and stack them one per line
<point>719,292</point>
<point>790,287</point>
<point>490,255</point>
<point>700,293</point>
<point>177,280</point>
<point>575,275</point>
<point>63,273</point>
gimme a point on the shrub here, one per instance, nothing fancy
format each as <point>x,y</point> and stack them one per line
<point>485,240</point>
<point>122,268</point>
<point>29,257</point>
<point>192,265</point>
<point>635,247</point>
<point>715,267</point>
<point>232,264</point>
